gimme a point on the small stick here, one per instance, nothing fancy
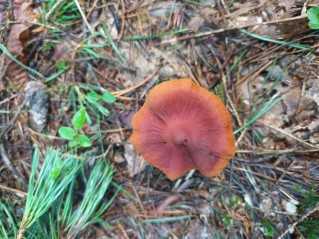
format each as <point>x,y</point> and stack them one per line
<point>232,28</point>
<point>83,16</point>
<point>57,4</point>
<point>277,152</point>
<point>173,198</point>
<point>12,121</point>
<point>2,187</point>
<point>287,134</point>
<point>7,162</point>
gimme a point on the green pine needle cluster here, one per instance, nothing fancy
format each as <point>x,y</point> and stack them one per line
<point>49,208</point>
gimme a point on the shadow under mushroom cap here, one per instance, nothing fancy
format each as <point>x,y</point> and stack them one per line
<point>182,126</point>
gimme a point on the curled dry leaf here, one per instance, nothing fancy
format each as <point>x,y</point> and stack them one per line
<point>135,162</point>
<point>18,36</point>
<point>38,99</point>
<point>300,105</point>
<point>195,23</point>
<point>20,32</point>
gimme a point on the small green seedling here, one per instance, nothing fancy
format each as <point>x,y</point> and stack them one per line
<point>62,66</point>
<point>94,100</point>
<point>106,97</point>
<point>72,134</point>
<point>269,230</point>
<point>313,16</point>
<point>227,220</point>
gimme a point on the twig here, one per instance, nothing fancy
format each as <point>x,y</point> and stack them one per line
<point>172,198</point>
<point>15,117</point>
<point>7,162</point>
<point>254,75</point>
<point>57,4</point>
<point>3,69</point>
<point>127,90</point>
<point>240,138</point>
<point>124,234</point>
<point>287,134</point>
<point>83,16</point>
<point>277,152</point>
<point>222,30</point>
<point>2,187</point>
<point>123,21</point>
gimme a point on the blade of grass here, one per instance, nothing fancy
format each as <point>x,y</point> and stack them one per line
<point>274,100</point>
<point>5,50</point>
<point>116,50</point>
<point>294,45</point>
<point>238,60</point>
<point>52,77</point>
<point>8,227</point>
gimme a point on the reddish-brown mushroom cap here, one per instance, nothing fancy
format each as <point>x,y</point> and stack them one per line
<point>181,127</point>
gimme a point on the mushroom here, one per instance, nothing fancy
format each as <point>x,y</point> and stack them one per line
<point>183,126</point>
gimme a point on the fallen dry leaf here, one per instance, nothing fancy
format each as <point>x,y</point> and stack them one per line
<point>18,36</point>
<point>301,105</point>
<point>19,33</point>
<point>195,23</point>
<point>135,162</point>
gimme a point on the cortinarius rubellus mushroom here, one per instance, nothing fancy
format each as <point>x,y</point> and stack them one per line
<point>181,127</point>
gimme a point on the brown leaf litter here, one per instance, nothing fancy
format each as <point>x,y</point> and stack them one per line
<point>276,154</point>
<point>18,36</point>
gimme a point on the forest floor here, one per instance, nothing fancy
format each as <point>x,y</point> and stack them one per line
<point>58,57</point>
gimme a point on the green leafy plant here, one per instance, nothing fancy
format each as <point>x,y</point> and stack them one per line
<point>94,98</point>
<point>269,230</point>
<point>72,134</point>
<point>234,200</point>
<point>92,101</point>
<point>61,65</point>
<point>309,228</point>
<point>227,220</point>
<point>219,91</point>
<point>313,16</point>
<point>310,197</point>
<point>61,68</point>
<point>9,226</point>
